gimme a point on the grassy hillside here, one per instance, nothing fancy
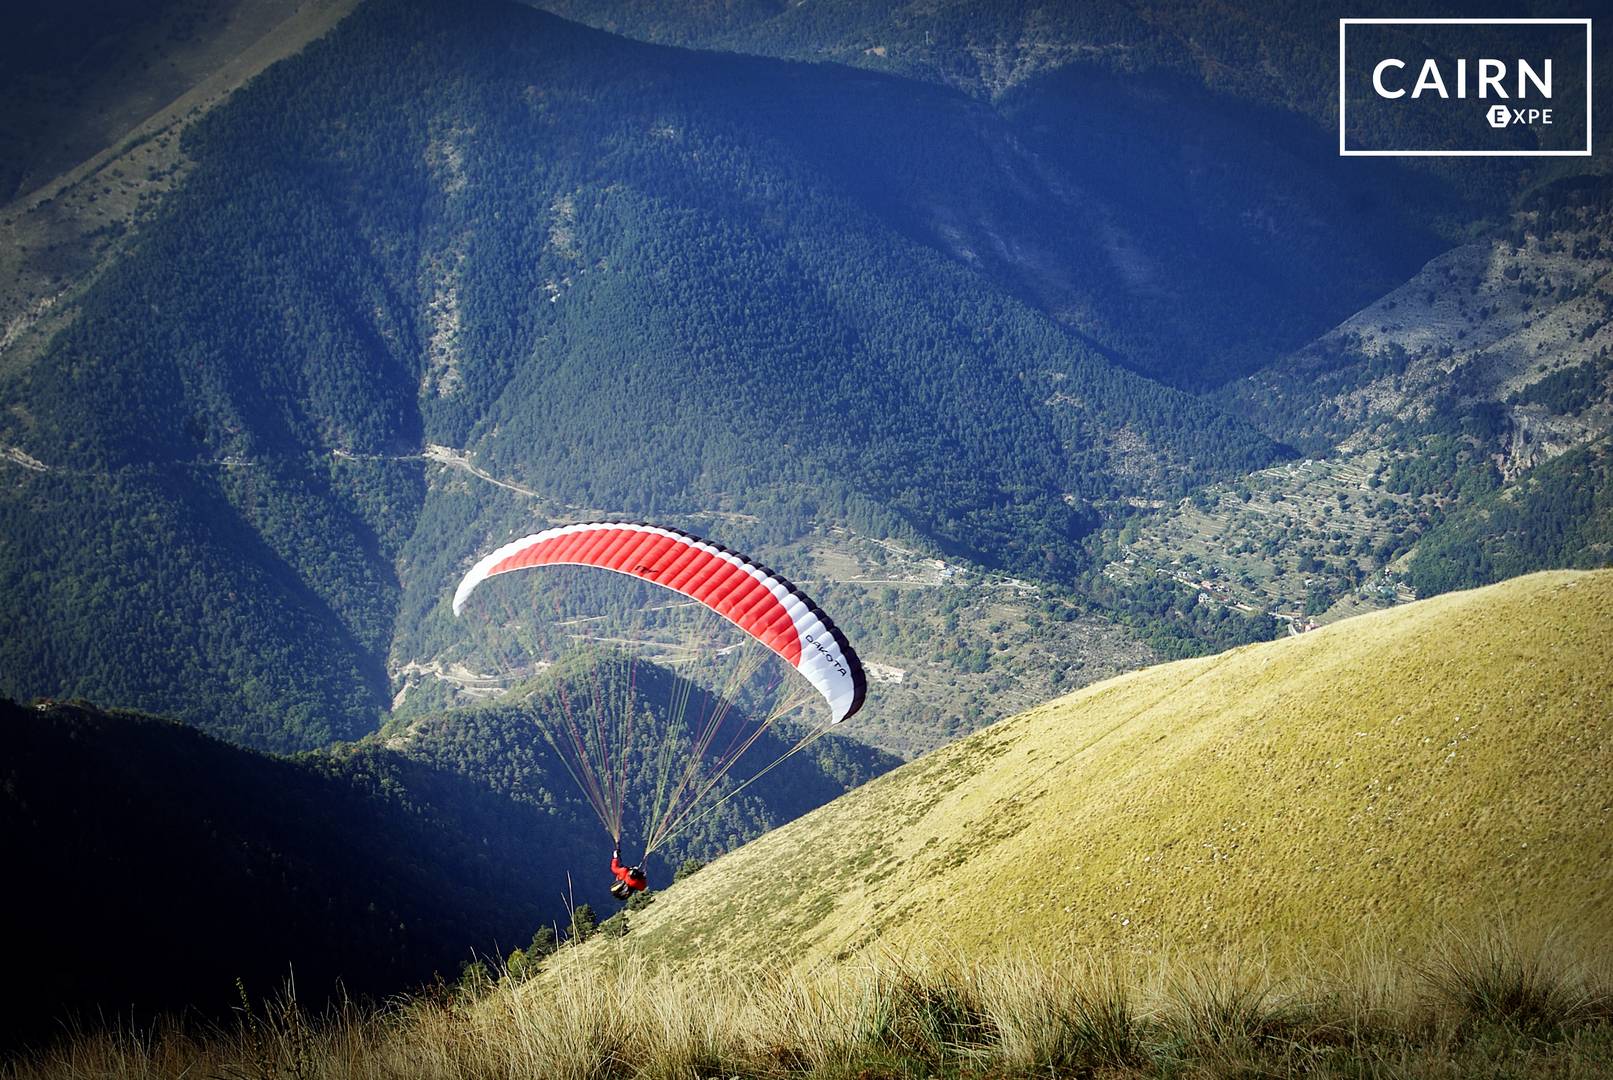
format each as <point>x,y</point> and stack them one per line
<point>1439,764</point>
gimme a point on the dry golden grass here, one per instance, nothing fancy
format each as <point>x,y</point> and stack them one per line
<point>1443,764</point>
<point>594,1015</point>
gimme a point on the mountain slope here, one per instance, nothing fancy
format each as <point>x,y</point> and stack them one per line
<point>1258,52</point>
<point>1195,214</point>
<point>98,94</point>
<point>1456,430</point>
<point>1439,764</point>
<point>79,81</point>
<point>1557,514</point>
<point>624,278</point>
<point>1271,54</point>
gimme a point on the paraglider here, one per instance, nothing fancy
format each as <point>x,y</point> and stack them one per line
<point>596,738</point>
<point>629,879</point>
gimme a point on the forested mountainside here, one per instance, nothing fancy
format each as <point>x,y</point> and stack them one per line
<point>1557,514</point>
<point>195,863</point>
<point>1266,52</point>
<point>1203,113</point>
<point>1201,222</point>
<point>161,865</point>
<point>447,277</point>
<point>622,277</point>
<point>1269,55</point>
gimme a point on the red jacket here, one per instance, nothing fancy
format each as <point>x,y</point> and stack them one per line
<point>626,874</point>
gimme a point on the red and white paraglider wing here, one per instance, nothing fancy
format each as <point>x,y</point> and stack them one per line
<point>749,595</point>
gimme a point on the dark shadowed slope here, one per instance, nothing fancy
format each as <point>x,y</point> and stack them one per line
<point>152,865</point>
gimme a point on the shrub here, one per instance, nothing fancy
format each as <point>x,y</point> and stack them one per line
<point>583,922</point>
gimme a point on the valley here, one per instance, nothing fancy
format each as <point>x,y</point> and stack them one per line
<point>921,624</point>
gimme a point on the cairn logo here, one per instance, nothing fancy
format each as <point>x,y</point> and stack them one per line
<point>1465,87</point>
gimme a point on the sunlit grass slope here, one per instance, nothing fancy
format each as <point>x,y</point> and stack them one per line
<point>1399,775</point>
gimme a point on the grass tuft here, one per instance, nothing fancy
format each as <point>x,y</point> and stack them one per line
<point>1490,978</point>
<point>933,1019</point>
<point>1067,1017</point>
<point>1230,1006</point>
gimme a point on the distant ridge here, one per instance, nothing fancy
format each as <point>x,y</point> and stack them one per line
<point>1404,773</point>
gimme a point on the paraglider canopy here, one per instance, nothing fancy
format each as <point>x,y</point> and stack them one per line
<point>752,597</point>
<point>647,747</point>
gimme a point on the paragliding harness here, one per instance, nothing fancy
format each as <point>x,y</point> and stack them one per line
<point>629,879</point>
